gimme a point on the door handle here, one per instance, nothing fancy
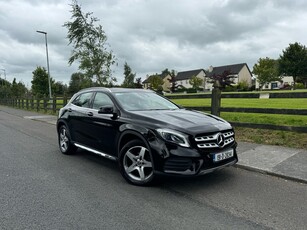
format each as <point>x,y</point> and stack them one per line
<point>69,110</point>
<point>90,114</point>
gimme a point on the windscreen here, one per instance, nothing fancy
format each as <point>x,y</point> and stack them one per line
<point>134,101</point>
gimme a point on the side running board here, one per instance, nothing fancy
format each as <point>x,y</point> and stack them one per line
<point>96,152</point>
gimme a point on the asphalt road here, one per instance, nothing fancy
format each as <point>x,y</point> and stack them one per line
<point>42,189</point>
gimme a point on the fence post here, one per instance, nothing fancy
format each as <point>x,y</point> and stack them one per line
<point>37,104</point>
<point>216,100</point>
<point>32,103</point>
<point>64,100</point>
<point>54,104</point>
<point>22,103</point>
<point>45,104</point>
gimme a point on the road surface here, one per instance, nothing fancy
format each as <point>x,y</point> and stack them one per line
<point>42,189</point>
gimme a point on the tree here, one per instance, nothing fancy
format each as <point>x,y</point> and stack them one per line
<point>293,61</point>
<point>156,82</point>
<point>40,86</point>
<point>18,89</point>
<point>138,83</point>
<point>59,88</point>
<point>5,88</point>
<point>220,81</point>
<point>266,70</point>
<point>89,46</point>
<point>165,72</point>
<point>77,82</point>
<point>196,82</point>
<point>129,77</point>
<point>173,81</point>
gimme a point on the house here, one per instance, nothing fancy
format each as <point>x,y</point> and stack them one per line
<point>166,81</point>
<point>240,71</point>
<point>284,83</point>
<point>183,78</point>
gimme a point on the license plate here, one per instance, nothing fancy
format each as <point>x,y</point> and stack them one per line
<point>223,155</point>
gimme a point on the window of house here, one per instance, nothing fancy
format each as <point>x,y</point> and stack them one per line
<point>273,85</point>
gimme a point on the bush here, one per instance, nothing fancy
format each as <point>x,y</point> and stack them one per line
<point>299,86</point>
<point>231,88</point>
<point>180,89</point>
<point>243,86</point>
<point>191,90</point>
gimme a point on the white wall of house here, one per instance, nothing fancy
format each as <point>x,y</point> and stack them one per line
<point>186,83</point>
<point>244,76</point>
<point>208,85</point>
<point>167,83</point>
<point>276,84</point>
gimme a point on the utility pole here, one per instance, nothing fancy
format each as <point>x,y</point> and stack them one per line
<point>4,76</point>
<point>45,33</point>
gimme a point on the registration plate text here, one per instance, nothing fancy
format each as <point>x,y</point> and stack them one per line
<point>223,155</point>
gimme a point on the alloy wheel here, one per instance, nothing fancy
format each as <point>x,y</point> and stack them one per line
<point>137,163</point>
<point>64,140</point>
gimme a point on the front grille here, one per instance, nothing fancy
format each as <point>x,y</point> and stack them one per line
<point>215,140</point>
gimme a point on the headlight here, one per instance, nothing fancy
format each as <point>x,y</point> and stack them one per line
<point>174,137</point>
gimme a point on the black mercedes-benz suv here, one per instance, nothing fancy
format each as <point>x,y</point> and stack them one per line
<point>146,133</point>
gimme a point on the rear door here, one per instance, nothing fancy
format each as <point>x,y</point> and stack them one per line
<point>78,114</point>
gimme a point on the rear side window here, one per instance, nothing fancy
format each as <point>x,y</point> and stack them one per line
<point>83,100</point>
<point>101,100</point>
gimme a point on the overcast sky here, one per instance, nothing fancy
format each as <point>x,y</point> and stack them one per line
<point>151,35</point>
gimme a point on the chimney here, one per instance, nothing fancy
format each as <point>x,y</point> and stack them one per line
<point>210,68</point>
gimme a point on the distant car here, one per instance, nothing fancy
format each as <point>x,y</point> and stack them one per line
<point>147,134</point>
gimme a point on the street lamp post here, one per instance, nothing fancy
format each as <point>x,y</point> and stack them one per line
<point>4,76</point>
<point>45,33</point>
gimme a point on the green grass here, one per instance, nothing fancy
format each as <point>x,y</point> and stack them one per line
<point>260,118</point>
<point>245,92</point>
<point>272,137</point>
<point>278,103</point>
<point>262,136</point>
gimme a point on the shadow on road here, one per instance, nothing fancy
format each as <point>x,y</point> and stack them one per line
<point>207,180</point>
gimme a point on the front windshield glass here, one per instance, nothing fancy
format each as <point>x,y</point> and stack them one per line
<point>134,101</point>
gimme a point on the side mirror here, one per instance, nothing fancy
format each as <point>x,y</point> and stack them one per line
<point>108,109</point>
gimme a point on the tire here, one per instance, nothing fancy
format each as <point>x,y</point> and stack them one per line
<point>64,140</point>
<point>136,163</point>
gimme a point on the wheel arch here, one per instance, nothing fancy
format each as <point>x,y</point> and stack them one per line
<point>60,123</point>
<point>128,136</point>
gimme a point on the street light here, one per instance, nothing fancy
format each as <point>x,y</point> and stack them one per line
<point>4,76</point>
<point>4,73</point>
<point>42,32</point>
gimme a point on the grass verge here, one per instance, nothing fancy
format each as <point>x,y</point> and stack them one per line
<point>272,137</point>
<point>274,103</point>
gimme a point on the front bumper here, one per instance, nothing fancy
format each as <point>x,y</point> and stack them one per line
<point>176,160</point>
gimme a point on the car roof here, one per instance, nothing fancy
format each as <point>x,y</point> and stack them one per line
<point>115,90</point>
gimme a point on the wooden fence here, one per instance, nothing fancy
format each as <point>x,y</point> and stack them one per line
<point>47,104</point>
<point>54,104</point>
<point>301,129</point>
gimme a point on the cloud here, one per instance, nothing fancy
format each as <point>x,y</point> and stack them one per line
<point>151,35</point>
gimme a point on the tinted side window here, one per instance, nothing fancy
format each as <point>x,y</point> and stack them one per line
<point>83,100</point>
<point>101,100</point>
